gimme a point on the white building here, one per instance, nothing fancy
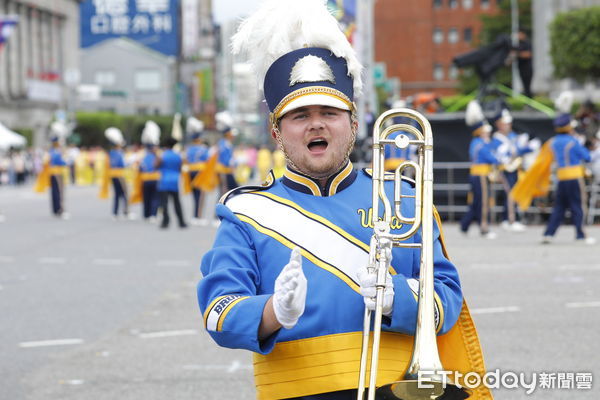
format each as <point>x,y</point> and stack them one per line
<point>38,59</point>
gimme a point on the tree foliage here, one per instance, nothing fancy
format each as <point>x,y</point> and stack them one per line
<point>575,44</point>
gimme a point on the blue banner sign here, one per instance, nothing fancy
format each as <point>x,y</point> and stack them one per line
<point>153,23</point>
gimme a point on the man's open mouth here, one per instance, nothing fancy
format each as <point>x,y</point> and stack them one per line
<point>317,145</point>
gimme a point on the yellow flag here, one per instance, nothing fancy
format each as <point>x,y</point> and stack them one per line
<point>208,179</point>
<point>535,182</point>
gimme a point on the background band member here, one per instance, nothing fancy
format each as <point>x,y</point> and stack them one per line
<point>149,174</point>
<point>482,163</point>
<point>196,157</point>
<point>116,172</point>
<point>169,165</point>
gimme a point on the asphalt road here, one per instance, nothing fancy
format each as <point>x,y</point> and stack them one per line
<point>99,309</point>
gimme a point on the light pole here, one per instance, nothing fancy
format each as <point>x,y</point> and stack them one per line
<point>516,83</point>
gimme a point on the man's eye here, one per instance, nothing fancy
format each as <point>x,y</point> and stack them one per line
<point>299,116</point>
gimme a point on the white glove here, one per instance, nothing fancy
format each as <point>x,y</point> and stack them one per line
<point>290,292</point>
<point>367,282</point>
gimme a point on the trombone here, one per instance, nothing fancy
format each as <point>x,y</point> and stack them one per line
<point>425,356</point>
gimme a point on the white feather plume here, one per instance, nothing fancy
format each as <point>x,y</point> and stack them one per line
<point>59,129</point>
<point>193,125</point>
<point>281,26</point>
<point>564,102</point>
<point>114,135</point>
<point>224,120</point>
<point>474,113</point>
<point>151,133</point>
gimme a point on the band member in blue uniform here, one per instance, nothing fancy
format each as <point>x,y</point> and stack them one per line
<point>482,163</point>
<point>569,155</point>
<point>148,170</point>
<point>169,165</point>
<point>116,172</point>
<point>509,148</point>
<point>225,163</point>
<point>286,277</point>
<point>58,168</point>
<point>196,156</point>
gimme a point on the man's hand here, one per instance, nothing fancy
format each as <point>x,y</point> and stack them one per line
<point>290,292</point>
<point>367,289</point>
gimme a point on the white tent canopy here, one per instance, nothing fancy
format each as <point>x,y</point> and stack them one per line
<point>10,139</point>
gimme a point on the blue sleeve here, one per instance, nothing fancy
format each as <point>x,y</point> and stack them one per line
<point>227,294</point>
<point>583,153</point>
<point>448,293</point>
<point>487,156</point>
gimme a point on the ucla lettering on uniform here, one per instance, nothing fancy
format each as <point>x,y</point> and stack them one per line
<point>366,219</point>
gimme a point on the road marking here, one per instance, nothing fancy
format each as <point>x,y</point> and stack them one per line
<point>173,263</point>
<point>162,334</point>
<point>6,259</point>
<point>72,382</point>
<point>579,267</point>
<point>495,310</point>
<point>231,368</point>
<point>108,261</point>
<point>45,343</point>
<point>52,260</point>
<point>583,304</point>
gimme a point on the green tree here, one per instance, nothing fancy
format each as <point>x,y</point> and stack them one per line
<point>575,44</point>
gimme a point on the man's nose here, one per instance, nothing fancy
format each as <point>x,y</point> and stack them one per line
<point>316,121</point>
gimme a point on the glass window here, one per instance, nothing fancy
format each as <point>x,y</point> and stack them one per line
<point>453,3</point>
<point>105,78</point>
<point>437,3</point>
<point>453,35</point>
<point>147,80</point>
<point>453,72</point>
<point>468,35</point>
<point>485,3</point>
<point>438,35</point>
<point>438,72</point>
<point>467,4</point>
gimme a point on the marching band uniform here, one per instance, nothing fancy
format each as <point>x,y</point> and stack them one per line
<point>58,166</point>
<point>317,356</point>
<point>509,148</point>
<point>55,171</point>
<point>116,171</point>
<point>196,157</point>
<point>225,162</point>
<point>569,156</point>
<point>168,185</point>
<point>482,163</point>
<point>149,174</point>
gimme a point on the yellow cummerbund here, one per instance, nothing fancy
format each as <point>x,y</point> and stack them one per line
<point>150,176</point>
<point>221,169</point>
<point>58,169</point>
<point>480,169</point>
<point>199,166</point>
<point>391,164</point>
<point>326,364</point>
<point>569,173</point>
<point>116,172</point>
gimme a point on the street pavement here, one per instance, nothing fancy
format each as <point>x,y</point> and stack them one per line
<point>99,309</point>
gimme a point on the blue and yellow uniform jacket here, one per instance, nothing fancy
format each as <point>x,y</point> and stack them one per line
<point>333,228</point>
<point>569,156</point>
<point>196,157</point>
<point>482,157</point>
<point>170,169</point>
<point>148,170</point>
<point>225,158</point>
<point>56,162</point>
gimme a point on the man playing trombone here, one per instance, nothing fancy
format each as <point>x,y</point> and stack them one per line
<point>286,277</point>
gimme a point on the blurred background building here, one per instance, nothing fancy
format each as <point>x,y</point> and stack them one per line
<point>37,63</point>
